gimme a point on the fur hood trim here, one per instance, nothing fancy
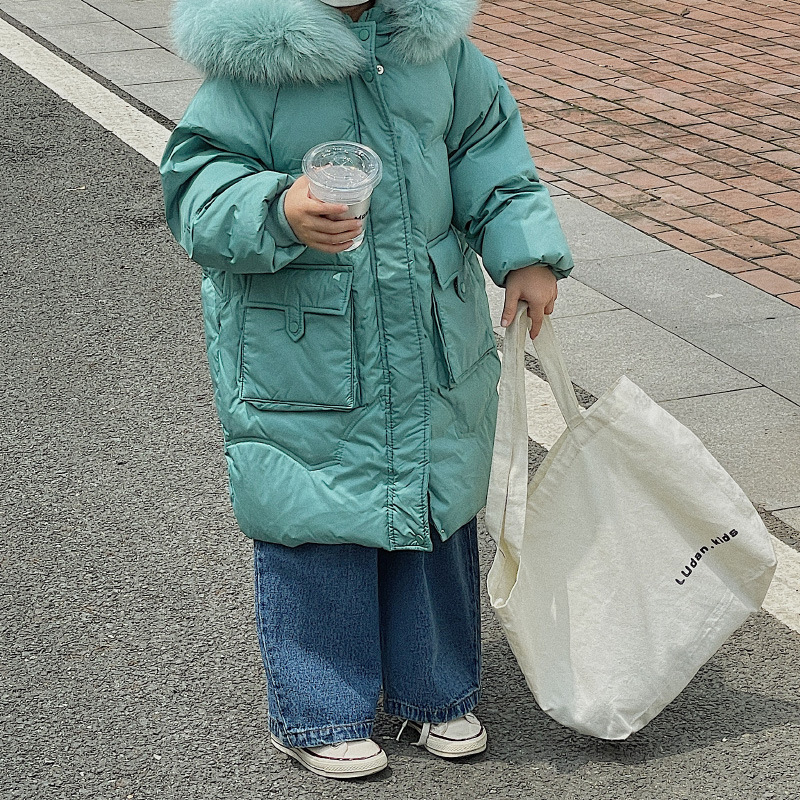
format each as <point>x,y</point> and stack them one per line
<point>306,41</point>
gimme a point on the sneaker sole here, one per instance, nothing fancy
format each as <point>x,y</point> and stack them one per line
<point>470,747</point>
<point>342,770</point>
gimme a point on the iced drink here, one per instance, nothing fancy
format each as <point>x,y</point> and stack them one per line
<point>344,172</point>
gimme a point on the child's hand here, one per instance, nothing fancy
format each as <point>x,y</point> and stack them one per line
<point>311,221</point>
<point>535,284</point>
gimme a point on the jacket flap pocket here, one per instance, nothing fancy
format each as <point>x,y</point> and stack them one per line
<point>299,291</point>
<point>448,262</point>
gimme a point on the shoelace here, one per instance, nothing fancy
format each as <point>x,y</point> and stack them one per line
<point>426,729</point>
<point>423,737</point>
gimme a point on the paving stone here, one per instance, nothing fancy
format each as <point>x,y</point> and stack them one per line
<point>683,241</point>
<point>169,98</point>
<point>722,214</point>
<point>699,227</point>
<point>605,164</point>
<point>136,13</point>
<point>553,163</point>
<point>644,224</point>
<point>680,196</point>
<point>623,193</point>
<point>755,435</point>
<point>778,215</point>
<point>592,234</point>
<point>766,350</point>
<point>573,189</point>
<point>792,297</point>
<point>600,347</point>
<point>643,180</point>
<point>763,232</point>
<point>587,178</point>
<point>576,298</point>
<point>555,191</point>
<point>96,37</point>
<point>140,66</point>
<point>769,281</point>
<point>41,14</point>
<point>664,212</point>
<point>700,183</point>
<point>679,292</point>
<point>744,246</point>
<point>792,247</point>
<point>160,36</point>
<point>726,261</point>
<point>788,199</point>
<point>755,185</point>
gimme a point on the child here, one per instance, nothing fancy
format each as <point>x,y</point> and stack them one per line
<point>357,388</point>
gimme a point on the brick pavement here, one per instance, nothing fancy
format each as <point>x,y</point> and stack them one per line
<point>681,120</point>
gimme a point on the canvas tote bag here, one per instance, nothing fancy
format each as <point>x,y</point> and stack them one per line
<point>628,560</point>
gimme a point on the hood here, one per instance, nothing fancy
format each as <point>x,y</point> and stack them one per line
<point>291,41</point>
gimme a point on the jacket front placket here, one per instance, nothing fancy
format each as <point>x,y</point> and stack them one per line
<point>406,390</point>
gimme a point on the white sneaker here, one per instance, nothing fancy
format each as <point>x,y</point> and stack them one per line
<point>353,759</point>
<point>458,738</point>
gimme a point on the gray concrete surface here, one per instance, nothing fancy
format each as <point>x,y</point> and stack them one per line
<point>576,298</point>
<point>165,96</point>
<point>594,235</point>
<point>664,365</point>
<point>679,292</point>
<point>753,450</point>
<point>767,349</point>
<point>97,37</point>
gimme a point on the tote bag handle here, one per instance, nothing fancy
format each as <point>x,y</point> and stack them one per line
<point>546,346</point>
<point>508,489</point>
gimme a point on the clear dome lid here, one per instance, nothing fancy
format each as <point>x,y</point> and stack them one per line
<point>343,170</point>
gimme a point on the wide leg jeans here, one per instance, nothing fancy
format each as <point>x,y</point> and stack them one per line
<point>338,624</point>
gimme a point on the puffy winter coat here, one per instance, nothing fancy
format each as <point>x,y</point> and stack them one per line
<point>357,391</point>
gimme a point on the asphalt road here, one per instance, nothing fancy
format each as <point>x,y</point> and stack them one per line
<point>129,666</point>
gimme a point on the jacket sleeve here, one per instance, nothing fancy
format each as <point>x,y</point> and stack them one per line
<point>224,203</point>
<point>500,204</point>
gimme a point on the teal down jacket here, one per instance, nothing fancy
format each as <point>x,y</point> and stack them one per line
<point>357,391</point>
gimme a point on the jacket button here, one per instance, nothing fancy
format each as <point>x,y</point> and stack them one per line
<point>294,327</point>
<point>363,34</point>
<point>379,69</point>
<point>369,77</point>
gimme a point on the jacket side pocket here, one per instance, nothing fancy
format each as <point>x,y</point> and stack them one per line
<point>461,309</point>
<point>297,347</point>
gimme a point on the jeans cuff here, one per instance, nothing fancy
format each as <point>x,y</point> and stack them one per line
<point>313,737</point>
<point>435,716</point>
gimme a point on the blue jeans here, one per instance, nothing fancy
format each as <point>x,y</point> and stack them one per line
<point>339,623</point>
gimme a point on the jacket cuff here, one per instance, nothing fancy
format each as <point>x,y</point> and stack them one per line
<point>559,272</point>
<point>277,225</point>
<point>499,274</point>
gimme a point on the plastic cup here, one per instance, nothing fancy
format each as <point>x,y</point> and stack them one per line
<point>344,172</point>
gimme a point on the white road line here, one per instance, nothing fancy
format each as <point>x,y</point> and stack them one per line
<point>142,133</point>
<point>783,597</point>
<point>149,138</point>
